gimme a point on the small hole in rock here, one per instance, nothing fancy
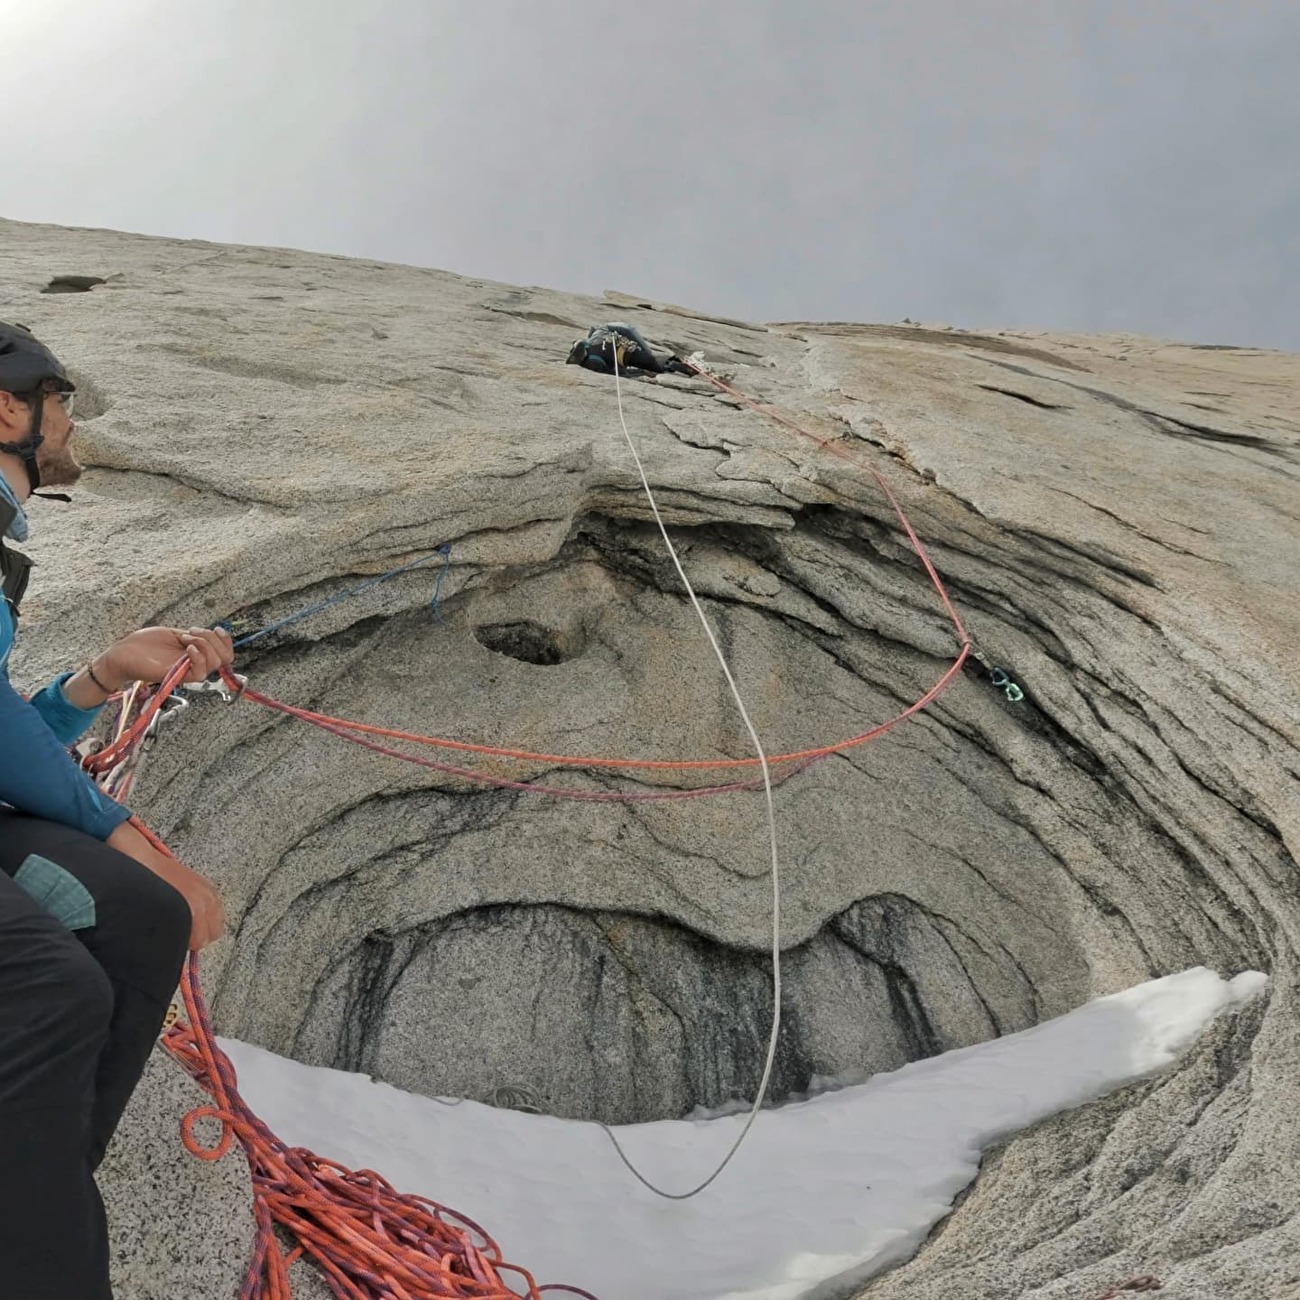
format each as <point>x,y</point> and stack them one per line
<point>73,284</point>
<point>528,641</point>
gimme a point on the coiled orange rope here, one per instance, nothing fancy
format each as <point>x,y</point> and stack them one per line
<point>370,1241</point>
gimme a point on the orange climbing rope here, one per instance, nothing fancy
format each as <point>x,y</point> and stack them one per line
<point>837,448</point>
<point>585,760</point>
<point>368,1239</point>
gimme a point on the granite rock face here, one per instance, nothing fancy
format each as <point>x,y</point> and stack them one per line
<point>179,1226</point>
<point>1118,523</point>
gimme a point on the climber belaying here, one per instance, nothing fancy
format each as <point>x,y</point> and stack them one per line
<point>94,921</point>
<point>621,344</point>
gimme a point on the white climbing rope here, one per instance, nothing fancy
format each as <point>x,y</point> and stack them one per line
<point>771,825</point>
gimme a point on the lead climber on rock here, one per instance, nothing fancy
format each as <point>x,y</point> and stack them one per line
<point>621,347</point>
<point>94,922</point>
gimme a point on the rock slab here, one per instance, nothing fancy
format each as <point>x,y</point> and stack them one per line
<point>1117,522</point>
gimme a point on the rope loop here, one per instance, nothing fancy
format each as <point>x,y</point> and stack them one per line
<point>192,1143</point>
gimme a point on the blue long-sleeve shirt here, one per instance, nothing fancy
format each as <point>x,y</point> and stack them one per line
<point>37,775</point>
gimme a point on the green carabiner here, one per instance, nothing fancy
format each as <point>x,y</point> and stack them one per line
<point>1002,680</point>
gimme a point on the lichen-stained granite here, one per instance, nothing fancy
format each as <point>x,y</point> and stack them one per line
<point>1116,518</point>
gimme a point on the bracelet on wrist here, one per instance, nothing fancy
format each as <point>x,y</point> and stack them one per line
<point>90,669</point>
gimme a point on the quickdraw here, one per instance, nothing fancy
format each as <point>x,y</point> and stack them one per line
<point>1004,683</point>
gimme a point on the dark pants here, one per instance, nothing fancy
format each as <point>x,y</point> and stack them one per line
<point>80,1011</point>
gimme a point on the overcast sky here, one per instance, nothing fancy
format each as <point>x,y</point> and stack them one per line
<point>1068,164</point>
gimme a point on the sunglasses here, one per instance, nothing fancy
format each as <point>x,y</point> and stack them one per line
<point>65,400</point>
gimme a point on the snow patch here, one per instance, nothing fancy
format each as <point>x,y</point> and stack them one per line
<point>825,1193</point>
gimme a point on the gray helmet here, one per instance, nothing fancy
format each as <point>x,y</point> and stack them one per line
<point>26,363</point>
<point>28,367</point>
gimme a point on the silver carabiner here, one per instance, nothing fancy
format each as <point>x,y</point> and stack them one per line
<point>220,687</point>
<point>172,706</point>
